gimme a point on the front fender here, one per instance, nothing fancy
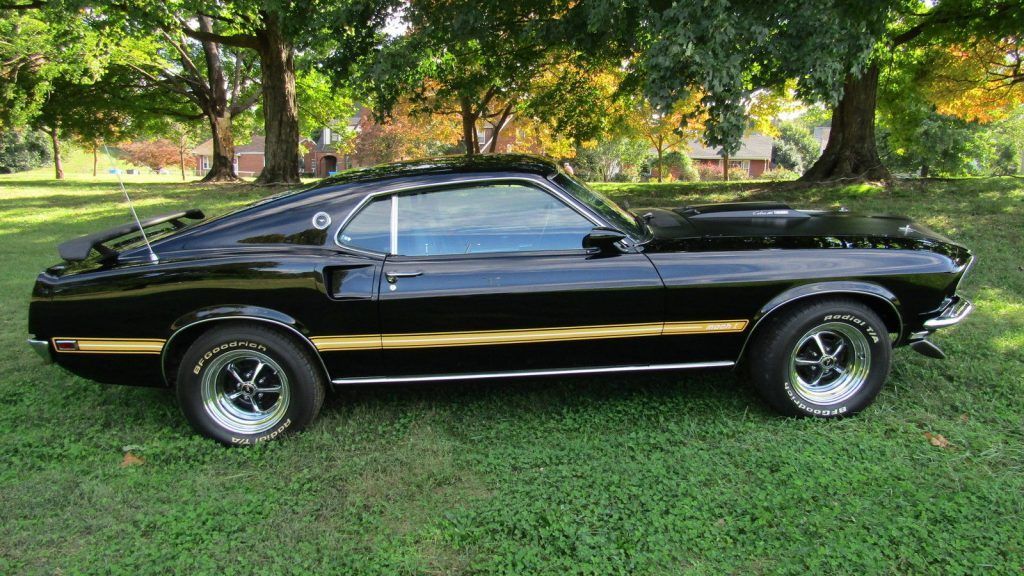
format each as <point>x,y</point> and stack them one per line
<point>835,287</point>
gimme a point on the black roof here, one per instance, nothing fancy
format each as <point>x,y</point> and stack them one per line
<point>445,165</point>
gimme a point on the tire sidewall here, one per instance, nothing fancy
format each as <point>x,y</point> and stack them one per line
<point>302,402</point>
<point>855,316</point>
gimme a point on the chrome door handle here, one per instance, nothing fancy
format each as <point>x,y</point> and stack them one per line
<point>393,276</point>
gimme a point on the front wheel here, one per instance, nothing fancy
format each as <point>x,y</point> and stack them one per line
<point>825,359</point>
<point>244,384</point>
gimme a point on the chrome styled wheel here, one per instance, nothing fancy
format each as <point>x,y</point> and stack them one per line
<point>830,363</point>
<point>245,391</point>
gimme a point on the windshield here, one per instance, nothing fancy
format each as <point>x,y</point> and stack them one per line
<point>615,214</point>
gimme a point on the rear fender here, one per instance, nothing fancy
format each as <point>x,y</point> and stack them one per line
<point>184,328</point>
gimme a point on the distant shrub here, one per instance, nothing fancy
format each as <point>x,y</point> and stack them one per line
<point>709,172</point>
<point>779,174</point>
<point>678,167</point>
<point>20,151</point>
<point>154,154</point>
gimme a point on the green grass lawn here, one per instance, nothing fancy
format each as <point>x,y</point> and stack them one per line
<point>668,474</point>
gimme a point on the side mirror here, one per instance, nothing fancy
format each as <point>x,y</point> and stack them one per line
<point>603,239</point>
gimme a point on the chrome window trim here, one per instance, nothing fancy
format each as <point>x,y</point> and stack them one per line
<point>540,183</point>
<point>532,373</point>
<point>309,343</point>
<point>393,225</point>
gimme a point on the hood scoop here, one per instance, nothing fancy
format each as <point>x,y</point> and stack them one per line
<point>740,210</point>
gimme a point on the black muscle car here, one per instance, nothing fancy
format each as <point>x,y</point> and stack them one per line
<point>500,266</point>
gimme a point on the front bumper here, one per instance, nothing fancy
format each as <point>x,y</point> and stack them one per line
<point>954,313</point>
<point>42,347</point>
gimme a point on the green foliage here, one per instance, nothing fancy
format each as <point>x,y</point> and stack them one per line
<point>674,473</point>
<point>779,174</point>
<point>321,103</point>
<point>678,166</point>
<point>938,146</point>
<point>482,61</point>
<point>23,150</point>
<point>40,48</point>
<point>621,158</point>
<point>729,49</point>
<point>795,148</point>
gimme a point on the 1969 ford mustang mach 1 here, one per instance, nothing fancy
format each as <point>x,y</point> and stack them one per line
<point>458,269</point>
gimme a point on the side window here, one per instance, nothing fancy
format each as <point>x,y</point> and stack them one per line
<point>487,218</point>
<point>370,229</point>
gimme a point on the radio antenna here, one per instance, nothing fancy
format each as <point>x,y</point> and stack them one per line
<point>110,159</point>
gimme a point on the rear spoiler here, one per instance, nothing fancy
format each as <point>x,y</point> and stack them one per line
<point>78,249</point>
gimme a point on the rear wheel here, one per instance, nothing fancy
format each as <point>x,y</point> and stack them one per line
<point>826,359</point>
<point>245,384</point>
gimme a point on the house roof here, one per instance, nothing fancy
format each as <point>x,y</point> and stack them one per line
<point>752,147</point>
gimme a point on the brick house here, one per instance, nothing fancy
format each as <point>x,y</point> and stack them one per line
<point>320,154</point>
<point>249,160</point>
<point>753,158</point>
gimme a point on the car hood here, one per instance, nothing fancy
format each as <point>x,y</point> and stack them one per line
<point>769,225</point>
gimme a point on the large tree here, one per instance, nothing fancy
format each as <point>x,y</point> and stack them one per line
<point>487,63</point>
<point>851,151</point>
<point>190,79</point>
<point>730,50</point>
<point>339,30</point>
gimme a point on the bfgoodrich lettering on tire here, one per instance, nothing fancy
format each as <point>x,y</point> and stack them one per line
<point>244,384</point>
<point>826,359</point>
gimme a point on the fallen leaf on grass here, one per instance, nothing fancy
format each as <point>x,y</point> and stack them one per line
<point>965,418</point>
<point>131,460</point>
<point>937,440</point>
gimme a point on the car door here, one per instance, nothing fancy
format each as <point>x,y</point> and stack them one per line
<point>492,277</point>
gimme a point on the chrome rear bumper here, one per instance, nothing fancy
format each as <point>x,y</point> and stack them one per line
<point>42,347</point>
<point>954,313</point>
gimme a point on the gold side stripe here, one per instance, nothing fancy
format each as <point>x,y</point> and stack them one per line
<point>334,343</point>
<point>442,339</point>
<point>522,336</point>
<point>113,345</point>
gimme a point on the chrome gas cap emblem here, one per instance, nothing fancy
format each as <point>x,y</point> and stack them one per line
<point>321,220</point>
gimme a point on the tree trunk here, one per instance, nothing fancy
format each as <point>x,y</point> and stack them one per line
<point>469,128</point>
<point>280,111</point>
<point>213,99</point>
<point>58,163</point>
<point>95,159</point>
<point>851,150</point>
<point>725,167</point>
<point>924,170</point>
<point>661,163</point>
<point>222,162</point>
<point>181,160</point>
<point>506,116</point>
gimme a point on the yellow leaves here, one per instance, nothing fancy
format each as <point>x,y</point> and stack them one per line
<point>130,460</point>
<point>977,82</point>
<point>937,440</point>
